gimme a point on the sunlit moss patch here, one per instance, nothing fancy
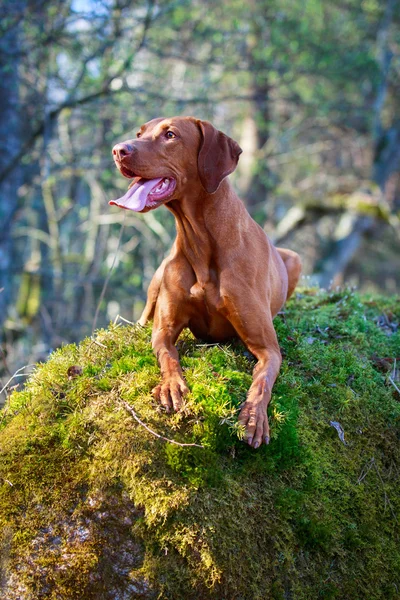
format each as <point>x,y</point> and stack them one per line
<point>94,505</point>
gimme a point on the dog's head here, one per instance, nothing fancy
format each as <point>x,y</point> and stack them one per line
<point>170,157</point>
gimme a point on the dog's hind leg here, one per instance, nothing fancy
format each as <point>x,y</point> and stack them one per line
<point>293,266</point>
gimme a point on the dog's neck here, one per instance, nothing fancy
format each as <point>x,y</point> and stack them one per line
<point>204,219</point>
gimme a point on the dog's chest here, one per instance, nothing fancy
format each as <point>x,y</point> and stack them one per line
<point>205,295</point>
<point>206,320</point>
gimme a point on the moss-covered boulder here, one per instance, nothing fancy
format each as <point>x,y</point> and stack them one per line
<point>95,505</point>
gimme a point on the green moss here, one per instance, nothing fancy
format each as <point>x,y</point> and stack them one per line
<point>91,502</point>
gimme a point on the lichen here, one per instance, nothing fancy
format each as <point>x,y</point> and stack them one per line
<point>93,505</point>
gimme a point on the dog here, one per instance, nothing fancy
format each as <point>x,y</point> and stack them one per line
<point>223,277</point>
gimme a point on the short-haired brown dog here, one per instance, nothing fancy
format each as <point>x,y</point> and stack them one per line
<point>223,277</point>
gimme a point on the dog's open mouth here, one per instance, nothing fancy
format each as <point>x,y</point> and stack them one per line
<point>146,193</point>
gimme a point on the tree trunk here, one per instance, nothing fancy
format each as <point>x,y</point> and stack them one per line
<point>386,155</point>
<point>259,67</point>
<point>260,182</point>
<point>10,136</point>
<point>386,159</point>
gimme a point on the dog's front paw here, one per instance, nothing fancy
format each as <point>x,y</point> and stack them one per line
<point>171,392</point>
<point>254,418</point>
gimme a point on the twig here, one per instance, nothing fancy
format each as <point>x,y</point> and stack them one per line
<point>95,342</point>
<point>119,318</point>
<point>16,374</point>
<point>387,499</point>
<point>392,377</point>
<point>103,291</point>
<point>364,473</point>
<point>99,344</point>
<point>394,385</point>
<point>366,470</point>
<point>161,437</point>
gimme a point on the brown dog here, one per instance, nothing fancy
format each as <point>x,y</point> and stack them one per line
<point>223,277</point>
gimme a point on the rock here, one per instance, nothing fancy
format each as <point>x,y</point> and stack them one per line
<point>94,506</point>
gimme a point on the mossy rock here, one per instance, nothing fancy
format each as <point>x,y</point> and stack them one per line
<point>95,506</point>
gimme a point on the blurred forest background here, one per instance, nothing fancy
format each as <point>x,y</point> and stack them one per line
<point>310,90</point>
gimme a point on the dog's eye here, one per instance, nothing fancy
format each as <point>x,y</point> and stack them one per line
<point>170,135</point>
<point>138,134</point>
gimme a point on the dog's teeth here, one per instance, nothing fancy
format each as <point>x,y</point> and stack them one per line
<point>162,186</point>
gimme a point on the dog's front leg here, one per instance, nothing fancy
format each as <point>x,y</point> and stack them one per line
<point>254,326</point>
<point>152,294</point>
<point>254,412</point>
<point>168,324</point>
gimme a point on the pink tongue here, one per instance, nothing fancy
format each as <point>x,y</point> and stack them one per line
<point>135,198</point>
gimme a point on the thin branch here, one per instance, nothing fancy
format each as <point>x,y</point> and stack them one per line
<point>72,102</point>
<point>372,465</point>
<point>103,291</point>
<point>16,374</point>
<point>392,377</point>
<point>119,318</point>
<point>387,499</point>
<point>395,386</point>
<point>99,344</point>
<point>366,469</point>
<point>105,90</point>
<point>157,435</point>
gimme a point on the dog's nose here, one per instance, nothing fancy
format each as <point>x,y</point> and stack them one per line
<point>122,150</point>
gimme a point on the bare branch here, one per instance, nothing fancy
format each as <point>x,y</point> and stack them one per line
<point>394,385</point>
<point>17,374</point>
<point>103,291</point>
<point>161,437</point>
<point>72,102</point>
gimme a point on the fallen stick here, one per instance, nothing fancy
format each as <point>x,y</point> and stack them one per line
<point>129,408</point>
<point>17,374</point>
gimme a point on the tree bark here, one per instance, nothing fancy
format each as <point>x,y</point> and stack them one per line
<point>259,67</point>
<point>386,139</point>
<point>10,136</point>
<point>386,158</point>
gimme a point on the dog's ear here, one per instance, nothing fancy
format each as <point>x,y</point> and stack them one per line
<point>218,156</point>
